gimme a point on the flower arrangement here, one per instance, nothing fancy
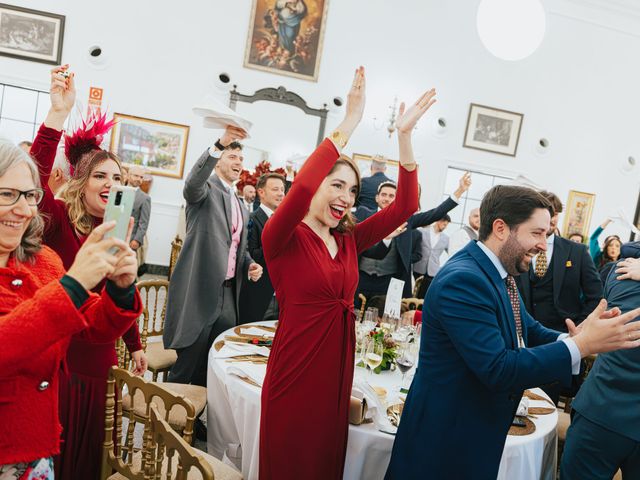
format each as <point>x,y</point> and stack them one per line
<point>251,178</point>
<point>389,354</point>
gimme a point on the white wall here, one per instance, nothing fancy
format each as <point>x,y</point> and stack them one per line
<point>579,90</point>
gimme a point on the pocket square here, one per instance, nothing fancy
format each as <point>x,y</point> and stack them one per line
<point>568,264</point>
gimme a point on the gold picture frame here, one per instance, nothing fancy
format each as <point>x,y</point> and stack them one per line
<point>291,49</point>
<point>161,147</point>
<point>577,216</point>
<point>364,164</point>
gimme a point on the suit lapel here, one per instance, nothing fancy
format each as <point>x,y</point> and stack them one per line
<point>492,273</point>
<point>559,259</point>
<point>226,200</point>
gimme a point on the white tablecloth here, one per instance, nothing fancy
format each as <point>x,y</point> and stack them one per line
<point>233,426</point>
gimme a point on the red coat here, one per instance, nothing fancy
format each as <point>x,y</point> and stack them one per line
<point>37,321</point>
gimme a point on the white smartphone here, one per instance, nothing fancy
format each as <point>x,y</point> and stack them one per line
<point>119,208</point>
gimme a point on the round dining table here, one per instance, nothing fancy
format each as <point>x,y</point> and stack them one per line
<point>233,425</point>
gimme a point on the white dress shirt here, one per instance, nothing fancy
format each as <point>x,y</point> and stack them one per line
<point>266,210</point>
<point>564,337</point>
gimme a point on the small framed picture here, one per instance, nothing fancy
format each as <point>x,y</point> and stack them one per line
<point>364,164</point>
<point>159,146</point>
<point>31,34</point>
<point>493,130</point>
<point>577,215</point>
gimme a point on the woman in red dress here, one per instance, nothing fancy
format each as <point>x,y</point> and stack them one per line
<point>69,219</point>
<point>311,247</point>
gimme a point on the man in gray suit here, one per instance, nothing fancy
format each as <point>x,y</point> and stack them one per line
<point>141,213</point>
<point>206,283</point>
<point>433,243</point>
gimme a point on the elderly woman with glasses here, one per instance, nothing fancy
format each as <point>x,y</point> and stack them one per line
<point>42,309</point>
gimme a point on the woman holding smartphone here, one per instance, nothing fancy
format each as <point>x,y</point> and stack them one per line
<point>69,220</point>
<point>42,310</point>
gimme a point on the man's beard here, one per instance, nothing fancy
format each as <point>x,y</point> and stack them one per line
<point>514,257</point>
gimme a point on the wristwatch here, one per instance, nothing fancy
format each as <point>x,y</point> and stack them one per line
<point>338,138</point>
<point>219,146</point>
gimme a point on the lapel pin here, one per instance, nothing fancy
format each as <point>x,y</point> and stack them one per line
<point>568,264</point>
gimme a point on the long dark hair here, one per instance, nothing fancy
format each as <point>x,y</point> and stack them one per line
<point>605,254</point>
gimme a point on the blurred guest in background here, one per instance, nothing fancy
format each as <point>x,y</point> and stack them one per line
<point>576,237</point>
<point>467,233</point>
<point>434,244</point>
<point>141,214</point>
<point>249,197</point>
<point>370,185</point>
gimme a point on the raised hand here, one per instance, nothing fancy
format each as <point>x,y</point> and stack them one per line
<point>408,118</point>
<point>629,269</point>
<point>62,91</point>
<point>463,184</point>
<point>232,134</point>
<point>356,98</point>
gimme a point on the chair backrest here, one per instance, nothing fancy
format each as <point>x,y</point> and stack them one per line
<point>416,287</point>
<point>176,246</point>
<point>154,298</point>
<point>164,444</point>
<point>124,357</point>
<point>363,304</point>
<point>118,447</point>
<point>412,303</point>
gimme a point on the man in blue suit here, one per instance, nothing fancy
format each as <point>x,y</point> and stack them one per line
<point>480,348</point>
<point>369,185</point>
<point>604,435</point>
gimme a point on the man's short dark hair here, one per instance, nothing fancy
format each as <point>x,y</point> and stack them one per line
<point>387,184</point>
<point>553,199</point>
<point>446,218</point>
<point>262,181</point>
<point>513,205</point>
<point>234,146</point>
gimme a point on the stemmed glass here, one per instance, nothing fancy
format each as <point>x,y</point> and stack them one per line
<point>362,333</point>
<point>373,356</point>
<point>405,360</point>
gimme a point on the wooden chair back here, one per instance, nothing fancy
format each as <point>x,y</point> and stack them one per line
<point>412,303</point>
<point>363,304</point>
<point>118,447</point>
<point>176,247</point>
<point>154,298</point>
<point>124,357</point>
<point>164,444</point>
<point>416,287</point>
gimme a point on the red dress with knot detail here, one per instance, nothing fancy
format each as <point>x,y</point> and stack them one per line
<point>307,388</point>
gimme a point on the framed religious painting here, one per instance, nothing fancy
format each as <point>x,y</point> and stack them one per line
<point>577,215</point>
<point>285,37</point>
<point>159,146</point>
<point>31,34</point>
<point>493,130</point>
<point>364,164</point>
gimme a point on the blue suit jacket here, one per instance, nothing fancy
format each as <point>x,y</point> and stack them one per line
<point>470,374</point>
<point>404,241</point>
<point>369,190</point>
<point>609,395</point>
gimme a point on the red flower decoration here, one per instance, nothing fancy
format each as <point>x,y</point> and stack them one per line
<point>248,178</point>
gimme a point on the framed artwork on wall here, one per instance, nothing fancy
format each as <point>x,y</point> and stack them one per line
<point>577,215</point>
<point>160,146</point>
<point>31,34</point>
<point>493,130</point>
<point>285,37</point>
<point>364,164</point>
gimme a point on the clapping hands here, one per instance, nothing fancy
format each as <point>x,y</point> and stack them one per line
<point>408,118</point>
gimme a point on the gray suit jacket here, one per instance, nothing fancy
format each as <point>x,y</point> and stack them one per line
<point>430,262</point>
<point>202,265</point>
<point>141,213</point>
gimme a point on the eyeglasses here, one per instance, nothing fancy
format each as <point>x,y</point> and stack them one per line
<point>10,196</point>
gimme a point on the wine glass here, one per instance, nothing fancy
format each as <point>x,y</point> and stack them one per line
<point>373,356</point>
<point>405,360</point>
<point>362,334</point>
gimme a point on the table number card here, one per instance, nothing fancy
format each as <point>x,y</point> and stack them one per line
<point>394,298</point>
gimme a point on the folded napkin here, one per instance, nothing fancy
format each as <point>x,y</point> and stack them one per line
<point>257,331</point>
<point>376,410</point>
<point>523,407</point>
<point>255,373</point>
<point>233,349</point>
<point>217,115</point>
